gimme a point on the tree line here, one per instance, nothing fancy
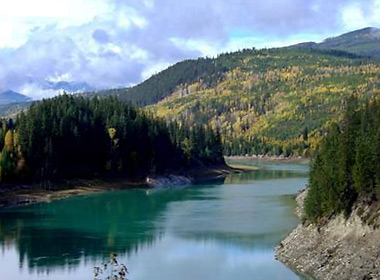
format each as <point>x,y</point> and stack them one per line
<point>76,137</point>
<point>347,163</point>
<point>273,102</point>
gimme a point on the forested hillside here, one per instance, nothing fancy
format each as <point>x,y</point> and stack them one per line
<point>347,164</point>
<point>277,101</point>
<point>270,101</point>
<point>163,84</point>
<point>74,137</point>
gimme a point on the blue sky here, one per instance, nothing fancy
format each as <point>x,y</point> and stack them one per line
<point>118,43</point>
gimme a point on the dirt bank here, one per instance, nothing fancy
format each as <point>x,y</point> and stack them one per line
<point>339,249</point>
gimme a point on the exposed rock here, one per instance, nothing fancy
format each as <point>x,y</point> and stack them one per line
<point>168,181</point>
<point>339,249</point>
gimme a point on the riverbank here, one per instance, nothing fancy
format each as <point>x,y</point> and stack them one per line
<point>266,158</point>
<point>20,195</point>
<point>139,225</point>
<point>339,248</point>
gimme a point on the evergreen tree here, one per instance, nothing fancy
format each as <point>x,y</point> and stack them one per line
<point>70,137</point>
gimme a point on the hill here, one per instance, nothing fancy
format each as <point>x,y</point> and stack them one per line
<point>56,139</point>
<point>9,96</point>
<point>270,101</point>
<point>12,109</point>
<point>277,101</point>
<point>164,83</point>
<point>365,42</point>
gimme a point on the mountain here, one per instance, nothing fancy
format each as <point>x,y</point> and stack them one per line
<point>365,42</point>
<point>9,96</point>
<point>272,101</point>
<point>164,83</point>
<point>276,101</point>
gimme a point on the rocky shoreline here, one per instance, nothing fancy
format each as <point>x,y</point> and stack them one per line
<point>21,195</point>
<point>339,248</point>
<point>168,181</point>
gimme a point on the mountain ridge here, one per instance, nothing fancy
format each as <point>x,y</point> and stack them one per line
<point>276,101</point>
<point>10,96</point>
<point>364,42</point>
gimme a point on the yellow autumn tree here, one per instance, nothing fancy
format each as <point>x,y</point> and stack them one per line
<point>9,141</point>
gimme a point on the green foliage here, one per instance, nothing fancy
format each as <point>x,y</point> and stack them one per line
<point>163,84</point>
<point>276,102</point>
<point>70,137</point>
<point>7,165</point>
<point>347,163</point>
<point>269,101</point>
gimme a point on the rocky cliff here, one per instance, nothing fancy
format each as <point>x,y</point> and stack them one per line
<point>339,248</point>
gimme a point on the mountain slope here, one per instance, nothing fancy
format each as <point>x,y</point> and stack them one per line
<point>365,42</point>
<point>277,101</point>
<point>161,85</point>
<point>10,96</point>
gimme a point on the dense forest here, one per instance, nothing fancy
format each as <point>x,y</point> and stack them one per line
<point>269,101</point>
<point>163,84</point>
<point>276,102</point>
<point>70,137</point>
<point>347,163</point>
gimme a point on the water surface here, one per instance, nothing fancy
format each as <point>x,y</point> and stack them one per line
<point>220,230</point>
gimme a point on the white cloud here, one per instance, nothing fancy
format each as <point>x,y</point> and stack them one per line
<point>128,17</point>
<point>114,43</point>
<point>353,17</point>
<point>19,18</point>
<point>77,10</point>
<point>154,69</point>
<point>204,47</point>
<point>35,91</point>
<point>357,14</point>
<point>59,77</point>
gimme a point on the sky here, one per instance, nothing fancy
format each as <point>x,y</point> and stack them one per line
<point>119,43</point>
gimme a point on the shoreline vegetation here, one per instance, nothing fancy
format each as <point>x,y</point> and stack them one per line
<point>89,145</point>
<point>340,231</point>
<point>14,195</point>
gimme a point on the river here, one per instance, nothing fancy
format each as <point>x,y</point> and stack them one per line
<point>225,229</point>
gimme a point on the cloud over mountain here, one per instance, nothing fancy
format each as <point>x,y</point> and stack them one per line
<point>116,43</point>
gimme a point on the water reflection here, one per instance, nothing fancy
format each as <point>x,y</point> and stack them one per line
<point>62,232</point>
<point>268,171</point>
<point>212,231</point>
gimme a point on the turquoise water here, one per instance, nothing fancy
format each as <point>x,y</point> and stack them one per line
<point>220,230</point>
